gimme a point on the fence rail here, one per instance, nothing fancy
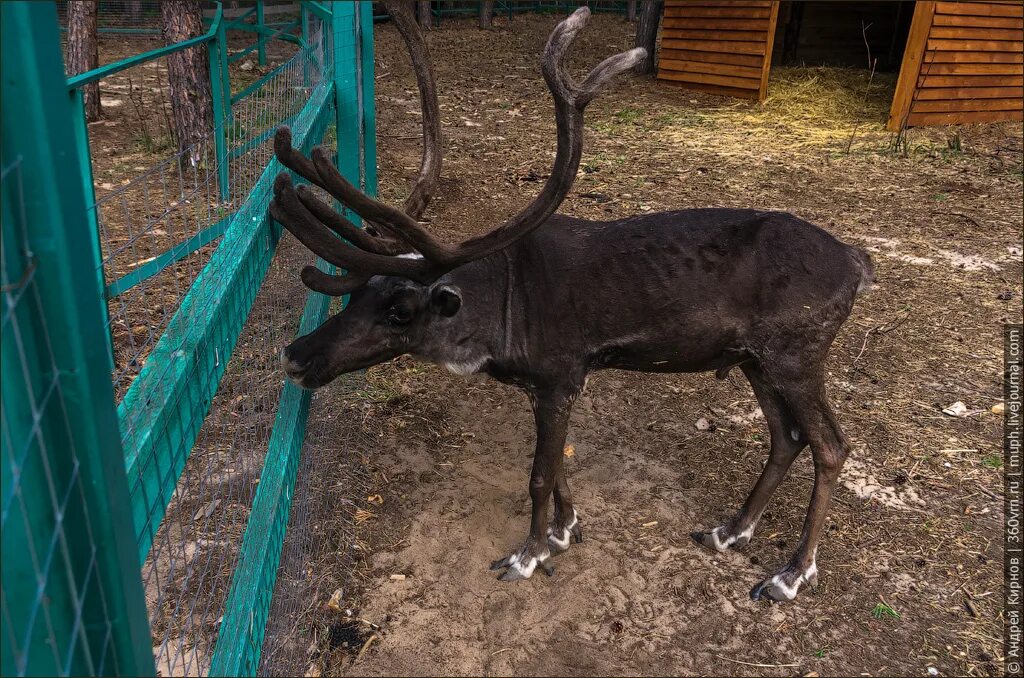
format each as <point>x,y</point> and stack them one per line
<point>185,484</point>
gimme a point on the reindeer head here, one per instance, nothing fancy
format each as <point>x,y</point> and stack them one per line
<point>394,267</point>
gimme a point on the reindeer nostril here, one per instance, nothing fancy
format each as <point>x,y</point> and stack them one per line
<point>291,367</point>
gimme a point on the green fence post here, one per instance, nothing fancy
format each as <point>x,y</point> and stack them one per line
<point>82,609</point>
<point>262,49</point>
<point>346,87</point>
<point>221,109</point>
<point>368,108</point>
<point>85,172</point>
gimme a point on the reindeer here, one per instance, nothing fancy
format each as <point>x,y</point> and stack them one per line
<point>544,299</point>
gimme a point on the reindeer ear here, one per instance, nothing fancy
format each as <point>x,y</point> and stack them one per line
<point>446,300</point>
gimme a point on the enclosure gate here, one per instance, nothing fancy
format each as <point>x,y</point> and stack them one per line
<point>95,489</point>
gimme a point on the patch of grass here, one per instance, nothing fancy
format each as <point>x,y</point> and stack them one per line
<point>627,115</point>
<point>884,610</point>
<point>685,119</point>
<point>993,462</point>
<point>152,144</point>
<point>820,653</point>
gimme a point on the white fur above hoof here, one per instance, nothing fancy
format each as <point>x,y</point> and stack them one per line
<point>559,540</point>
<point>521,565</point>
<point>786,584</point>
<point>719,539</point>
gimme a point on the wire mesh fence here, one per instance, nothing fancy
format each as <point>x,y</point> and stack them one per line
<point>159,229</point>
<point>68,607</point>
<point>42,478</point>
<point>201,293</point>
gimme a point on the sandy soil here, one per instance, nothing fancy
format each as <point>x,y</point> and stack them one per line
<point>916,523</point>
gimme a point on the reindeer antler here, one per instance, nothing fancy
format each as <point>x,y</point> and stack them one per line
<point>312,221</point>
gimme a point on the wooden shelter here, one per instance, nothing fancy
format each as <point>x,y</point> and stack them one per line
<point>958,62</point>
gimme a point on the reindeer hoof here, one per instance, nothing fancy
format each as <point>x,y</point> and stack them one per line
<point>558,538</point>
<point>520,565</point>
<point>786,584</point>
<point>722,539</point>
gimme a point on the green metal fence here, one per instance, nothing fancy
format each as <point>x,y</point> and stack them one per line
<point>150,445</point>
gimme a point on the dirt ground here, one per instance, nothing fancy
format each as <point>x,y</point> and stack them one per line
<point>911,565</point>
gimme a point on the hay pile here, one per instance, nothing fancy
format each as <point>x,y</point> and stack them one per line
<point>810,107</point>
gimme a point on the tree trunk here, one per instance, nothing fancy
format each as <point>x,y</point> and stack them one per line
<point>83,51</point>
<point>423,14</point>
<point>188,76</point>
<point>135,12</point>
<point>486,13</point>
<point>647,33</point>
<point>631,11</point>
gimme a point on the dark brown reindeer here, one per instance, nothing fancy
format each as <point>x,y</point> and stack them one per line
<point>544,299</point>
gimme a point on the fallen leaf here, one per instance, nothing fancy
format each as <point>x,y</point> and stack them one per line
<point>375,499</point>
<point>957,409</point>
<point>570,450</point>
<point>998,408</point>
<point>206,510</point>
<point>334,603</point>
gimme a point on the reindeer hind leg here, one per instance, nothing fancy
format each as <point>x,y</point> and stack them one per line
<point>786,443</point>
<point>829,448</point>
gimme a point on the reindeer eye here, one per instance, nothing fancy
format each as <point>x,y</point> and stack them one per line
<point>398,315</point>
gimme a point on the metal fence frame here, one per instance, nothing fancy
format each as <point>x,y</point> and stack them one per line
<point>51,247</point>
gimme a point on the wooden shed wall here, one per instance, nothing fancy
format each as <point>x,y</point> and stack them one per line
<point>721,47</point>
<point>964,62</point>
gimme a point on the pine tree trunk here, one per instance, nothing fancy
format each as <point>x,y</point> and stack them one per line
<point>83,51</point>
<point>188,76</point>
<point>135,12</point>
<point>424,15</point>
<point>631,11</point>
<point>486,13</point>
<point>647,33</point>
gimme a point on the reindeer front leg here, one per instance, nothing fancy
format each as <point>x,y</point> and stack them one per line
<point>551,412</point>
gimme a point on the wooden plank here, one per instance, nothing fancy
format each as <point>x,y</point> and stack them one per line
<point>945,93</point>
<point>712,79</point>
<point>913,57</point>
<point>963,117</point>
<point>707,67</point>
<point>961,68</point>
<point>711,57</point>
<point>715,89</point>
<point>715,46</point>
<point>972,33</point>
<point>976,45</point>
<point>698,34</point>
<point>979,21</point>
<point>719,3</point>
<point>979,8</point>
<point>719,12</point>
<point>769,45</point>
<point>926,81</point>
<point>704,23</point>
<point>975,57</point>
<point>949,106</point>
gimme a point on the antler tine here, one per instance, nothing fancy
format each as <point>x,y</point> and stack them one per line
<point>332,285</point>
<point>345,228</point>
<point>570,101</point>
<point>293,159</point>
<point>403,226</point>
<point>430,163</point>
<point>287,209</point>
